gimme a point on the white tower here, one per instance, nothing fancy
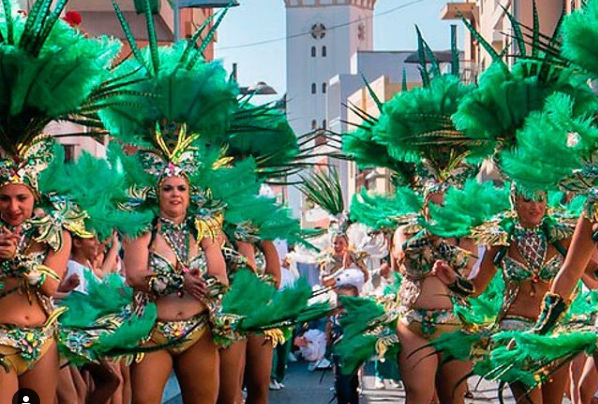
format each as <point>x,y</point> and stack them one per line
<point>322,36</point>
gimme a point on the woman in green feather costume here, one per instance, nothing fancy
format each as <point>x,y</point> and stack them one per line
<point>52,72</point>
<point>189,174</point>
<point>415,128</point>
<point>528,246</point>
<point>561,144</point>
<point>180,98</point>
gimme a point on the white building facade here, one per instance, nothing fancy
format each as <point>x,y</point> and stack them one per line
<point>322,37</point>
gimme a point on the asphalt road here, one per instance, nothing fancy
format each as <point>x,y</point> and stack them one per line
<point>305,387</point>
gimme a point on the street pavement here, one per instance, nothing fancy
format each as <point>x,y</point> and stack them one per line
<point>305,387</point>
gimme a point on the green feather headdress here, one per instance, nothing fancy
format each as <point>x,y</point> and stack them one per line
<point>51,72</point>
<point>515,106</point>
<point>323,189</point>
<point>179,98</point>
<point>414,135</point>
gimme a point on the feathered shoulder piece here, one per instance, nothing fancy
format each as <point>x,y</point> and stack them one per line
<point>558,227</point>
<point>466,209</point>
<point>500,230</point>
<point>496,231</point>
<point>380,212</point>
<point>51,71</point>
<point>99,191</point>
<point>172,86</point>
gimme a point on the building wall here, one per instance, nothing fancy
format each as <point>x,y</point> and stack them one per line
<point>492,23</point>
<point>99,19</point>
<point>311,26</point>
<point>305,70</point>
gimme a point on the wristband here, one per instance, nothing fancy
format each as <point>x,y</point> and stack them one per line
<point>462,287</point>
<point>554,308</point>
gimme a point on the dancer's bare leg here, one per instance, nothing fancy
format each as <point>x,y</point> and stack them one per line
<point>66,392</point>
<point>553,391</point>
<point>231,361</point>
<point>149,377</point>
<point>43,377</point>
<point>418,367</point>
<point>588,384</point>
<point>258,367</point>
<point>451,385</point>
<point>197,370</point>
<point>9,384</point>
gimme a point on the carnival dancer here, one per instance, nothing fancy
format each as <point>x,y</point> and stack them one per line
<point>48,59</point>
<point>413,137</point>
<point>178,175</point>
<point>260,348</point>
<point>534,242</point>
<point>555,147</point>
<point>260,138</point>
<point>346,246</point>
<point>528,246</point>
<point>100,325</point>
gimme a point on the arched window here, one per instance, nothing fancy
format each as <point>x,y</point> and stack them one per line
<point>313,88</point>
<point>324,51</point>
<point>324,124</point>
<point>323,88</point>
<point>314,124</point>
<point>313,51</point>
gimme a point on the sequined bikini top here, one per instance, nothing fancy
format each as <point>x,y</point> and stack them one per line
<point>421,252</point>
<point>177,236</point>
<point>159,263</point>
<point>532,244</point>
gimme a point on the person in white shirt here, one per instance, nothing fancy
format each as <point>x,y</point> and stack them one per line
<point>84,253</point>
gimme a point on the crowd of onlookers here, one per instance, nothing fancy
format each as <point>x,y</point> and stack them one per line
<point>314,342</point>
<point>107,381</point>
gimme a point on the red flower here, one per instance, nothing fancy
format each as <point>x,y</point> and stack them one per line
<point>73,18</point>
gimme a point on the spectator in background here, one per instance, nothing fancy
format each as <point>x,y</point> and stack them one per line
<point>345,385</point>
<point>282,351</point>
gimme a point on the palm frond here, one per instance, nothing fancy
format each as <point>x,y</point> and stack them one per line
<point>324,189</point>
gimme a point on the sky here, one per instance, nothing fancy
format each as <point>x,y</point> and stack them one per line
<point>264,20</point>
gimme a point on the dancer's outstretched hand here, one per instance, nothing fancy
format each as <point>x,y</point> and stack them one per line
<point>444,272</point>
